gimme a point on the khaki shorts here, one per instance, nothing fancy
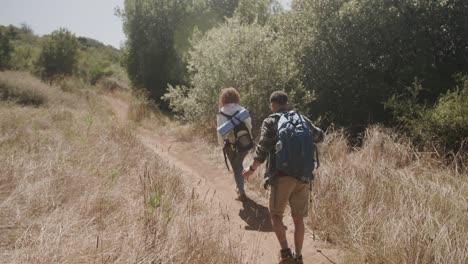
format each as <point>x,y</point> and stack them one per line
<point>292,191</point>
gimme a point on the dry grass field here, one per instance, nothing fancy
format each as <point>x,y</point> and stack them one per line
<point>388,203</point>
<point>76,186</point>
<point>384,202</point>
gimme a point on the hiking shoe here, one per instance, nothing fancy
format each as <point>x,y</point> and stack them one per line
<point>299,259</point>
<point>287,257</point>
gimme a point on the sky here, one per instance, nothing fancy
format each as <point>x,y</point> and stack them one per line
<point>89,18</point>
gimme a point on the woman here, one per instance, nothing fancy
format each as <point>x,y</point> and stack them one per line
<point>228,106</point>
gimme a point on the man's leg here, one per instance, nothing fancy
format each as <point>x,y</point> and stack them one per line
<point>279,197</point>
<point>280,231</point>
<point>299,231</point>
<point>299,202</point>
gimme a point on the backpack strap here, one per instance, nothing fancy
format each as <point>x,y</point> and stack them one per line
<point>231,117</point>
<point>225,115</point>
<point>225,158</point>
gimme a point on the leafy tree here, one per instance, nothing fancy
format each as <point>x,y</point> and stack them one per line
<point>6,48</point>
<point>59,55</point>
<point>250,58</point>
<point>158,38</point>
<point>357,54</point>
<point>250,11</point>
<point>224,8</point>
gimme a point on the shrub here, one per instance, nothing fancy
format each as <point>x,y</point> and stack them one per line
<point>6,48</point>
<point>449,117</point>
<point>251,58</point>
<point>443,124</point>
<point>11,89</point>
<point>59,55</point>
<point>357,54</point>
<point>24,89</point>
<point>99,72</point>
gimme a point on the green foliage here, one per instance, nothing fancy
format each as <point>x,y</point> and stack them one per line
<point>95,61</point>
<point>99,72</point>
<point>98,61</point>
<point>151,59</point>
<point>27,48</point>
<point>253,11</point>
<point>59,56</point>
<point>450,116</point>
<point>444,124</point>
<point>158,34</point>
<point>251,58</point>
<point>356,54</point>
<point>6,47</point>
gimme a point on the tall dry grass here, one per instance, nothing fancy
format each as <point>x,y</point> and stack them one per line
<point>385,202</point>
<point>78,187</point>
<point>388,203</point>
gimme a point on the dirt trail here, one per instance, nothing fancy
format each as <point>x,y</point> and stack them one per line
<point>248,220</point>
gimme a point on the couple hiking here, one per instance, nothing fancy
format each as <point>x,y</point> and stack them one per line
<point>288,144</point>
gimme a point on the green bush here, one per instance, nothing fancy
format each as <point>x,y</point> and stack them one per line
<point>6,48</point>
<point>97,61</point>
<point>59,55</point>
<point>27,48</point>
<point>158,38</point>
<point>443,124</point>
<point>449,117</point>
<point>357,54</point>
<point>251,58</point>
<point>99,72</point>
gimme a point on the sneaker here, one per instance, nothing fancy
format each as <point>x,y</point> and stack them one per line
<point>287,257</point>
<point>299,259</point>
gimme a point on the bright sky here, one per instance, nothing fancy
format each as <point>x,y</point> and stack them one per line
<point>89,18</point>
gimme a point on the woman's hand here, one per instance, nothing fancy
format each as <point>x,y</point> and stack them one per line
<point>247,173</point>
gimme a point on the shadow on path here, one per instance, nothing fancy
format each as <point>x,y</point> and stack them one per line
<point>256,216</point>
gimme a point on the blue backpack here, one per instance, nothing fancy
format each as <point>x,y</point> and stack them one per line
<point>295,149</point>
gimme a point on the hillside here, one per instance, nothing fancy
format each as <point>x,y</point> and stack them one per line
<point>96,61</point>
<point>78,186</point>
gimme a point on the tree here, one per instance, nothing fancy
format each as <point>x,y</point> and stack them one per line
<point>357,54</point>
<point>59,55</point>
<point>248,57</point>
<point>158,38</point>
<point>6,48</point>
<point>250,11</point>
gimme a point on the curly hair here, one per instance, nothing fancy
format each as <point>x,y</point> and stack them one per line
<point>229,96</point>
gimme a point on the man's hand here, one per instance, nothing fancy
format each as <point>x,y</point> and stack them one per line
<point>250,170</point>
<point>247,173</point>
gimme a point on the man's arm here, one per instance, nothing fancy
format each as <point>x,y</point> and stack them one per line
<point>267,141</point>
<point>266,144</point>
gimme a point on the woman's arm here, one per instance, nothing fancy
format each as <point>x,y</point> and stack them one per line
<point>219,121</point>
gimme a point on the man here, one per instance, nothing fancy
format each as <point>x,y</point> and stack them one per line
<point>286,189</point>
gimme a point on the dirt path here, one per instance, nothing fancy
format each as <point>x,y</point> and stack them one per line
<point>248,220</point>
